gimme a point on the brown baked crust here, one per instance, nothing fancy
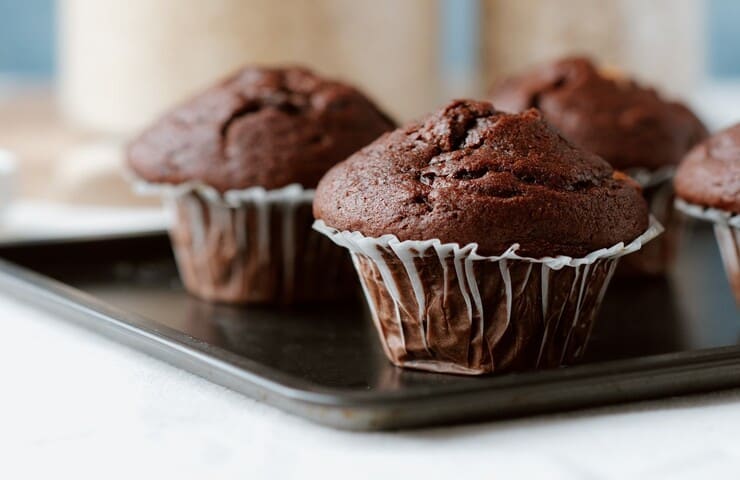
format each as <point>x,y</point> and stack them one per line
<point>710,173</point>
<point>266,127</point>
<point>626,124</point>
<point>469,173</point>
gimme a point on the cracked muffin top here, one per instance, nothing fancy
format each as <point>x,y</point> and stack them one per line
<point>710,173</point>
<point>267,127</point>
<point>471,174</point>
<point>626,124</point>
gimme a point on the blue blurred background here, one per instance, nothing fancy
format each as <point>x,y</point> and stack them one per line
<point>27,34</point>
<point>27,37</point>
<point>723,33</point>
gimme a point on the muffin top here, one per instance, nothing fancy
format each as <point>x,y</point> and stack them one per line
<point>626,124</point>
<point>266,127</point>
<point>710,173</point>
<point>471,174</point>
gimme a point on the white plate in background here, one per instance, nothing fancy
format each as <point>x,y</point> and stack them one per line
<point>33,222</point>
<point>25,221</point>
<point>8,179</point>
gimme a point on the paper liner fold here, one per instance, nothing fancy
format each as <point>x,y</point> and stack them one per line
<point>649,178</point>
<point>444,307</point>
<point>727,233</point>
<point>657,257</point>
<point>252,245</point>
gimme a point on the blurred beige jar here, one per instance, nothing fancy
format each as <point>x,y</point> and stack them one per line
<point>123,62</point>
<point>658,41</point>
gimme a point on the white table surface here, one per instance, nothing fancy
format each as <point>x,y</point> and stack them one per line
<point>73,402</point>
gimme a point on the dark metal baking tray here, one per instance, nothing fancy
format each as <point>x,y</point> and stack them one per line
<point>654,338</point>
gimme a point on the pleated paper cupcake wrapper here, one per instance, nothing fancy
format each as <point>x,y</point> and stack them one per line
<point>727,233</point>
<point>252,245</point>
<point>651,178</point>
<point>657,257</point>
<point>445,308</point>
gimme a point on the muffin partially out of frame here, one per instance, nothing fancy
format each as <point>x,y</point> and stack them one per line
<point>484,241</point>
<point>629,125</point>
<point>708,187</point>
<point>237,164</point>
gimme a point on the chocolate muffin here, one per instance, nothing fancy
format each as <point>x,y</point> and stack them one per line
<point>708,187</point>
<point>238,164</point>
<point>710,173</point>
<point>484,240</point>
<point>630,126</point>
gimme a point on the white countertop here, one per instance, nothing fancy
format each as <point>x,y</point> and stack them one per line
<point>75,402</point>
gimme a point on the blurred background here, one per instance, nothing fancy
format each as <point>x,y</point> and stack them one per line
<point>79,77</point>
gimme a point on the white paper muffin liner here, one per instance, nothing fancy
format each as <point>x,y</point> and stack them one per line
<point>649,178</point>
<point>714,215</point>
<point>443,307</point>
<point>657,257</point>
<point>251,245</point>
<point>291,194</point>
<point>727,232</point>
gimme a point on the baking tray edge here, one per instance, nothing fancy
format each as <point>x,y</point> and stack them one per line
<point>571,388</point>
